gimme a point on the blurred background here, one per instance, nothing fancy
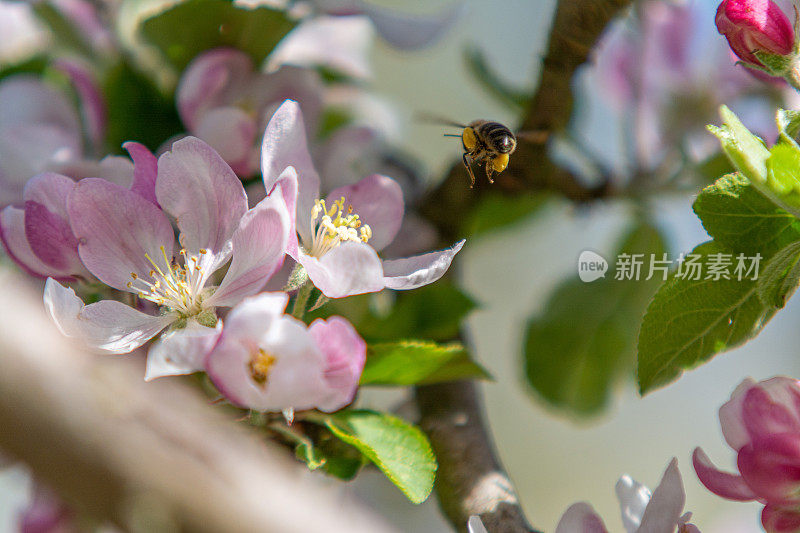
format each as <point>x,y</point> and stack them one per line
<point>553,458</point>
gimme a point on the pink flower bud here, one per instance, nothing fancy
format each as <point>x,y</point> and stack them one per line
<point>755,26</point>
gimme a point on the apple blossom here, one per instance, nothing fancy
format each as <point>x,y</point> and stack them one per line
<point>268,361</point>
<point>224,101</point>
<point>126,241</point>
<point>339,236</point>
<point>761,422</point>
<point>752,26</point>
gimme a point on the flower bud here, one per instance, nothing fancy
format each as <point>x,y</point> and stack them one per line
<point>755,26</point>
<point>762,423</point>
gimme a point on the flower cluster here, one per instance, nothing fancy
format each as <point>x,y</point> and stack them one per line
<point>97,233</point>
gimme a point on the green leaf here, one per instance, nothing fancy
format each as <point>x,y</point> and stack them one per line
<point>194,26</point>
<point>783,172</point>
<point>742,219</point>
<point>33,65</point>
<point>746,151</point>
<point>137,110</point>
<point>400,450</point>
<point>780,276</point>
<point>690,321</point>
<point>788,121</point>
<point>585,340</point>
<point>431,312</point>
<point>321,449</point>
<point>415,362</point>
<point>496,211</point>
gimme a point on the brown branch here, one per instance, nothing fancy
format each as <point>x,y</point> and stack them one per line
<point>144,456</point>
<point>470,479</point>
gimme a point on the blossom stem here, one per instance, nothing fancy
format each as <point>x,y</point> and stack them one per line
<point>301,300</point>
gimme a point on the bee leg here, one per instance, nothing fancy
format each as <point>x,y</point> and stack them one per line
<point>469,170</point>
<point>489,170</point>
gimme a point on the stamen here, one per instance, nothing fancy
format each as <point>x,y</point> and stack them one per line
<point>260,365</point>
<point>331,226</point>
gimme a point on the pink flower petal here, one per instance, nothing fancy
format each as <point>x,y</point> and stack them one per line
<point>286,189</point>
<point>114,168</point>
<point>29,149</point>
<point>722,484</point>
<point>256,326</point>
<point>232,133</point>
<point>350,268</point>
<point>340,43</point>
<point>108,325</point>
<point>779,520</point>
<point>117,231</point>
<point>46,513</point>
<point>47,225</point>
<point>93,105</point>
<point>206,80</point>
<point>666,505</point>
<point>285,145</point>
<point>346,353</point>
<point>730,416</point>
<point>769,408</point>
<point>771,468</point>
<point>12,235</point>
<point>378,201</point>
<point>145,170</point>
<point>412,32</point>
<point>181,351</point>
<point>200,190</point>
<point>342,156</point>
<point>24,100</point>
<point>580,518</point>
<point>259,246</point>
<point>413,272</point>
<point>303,85</point>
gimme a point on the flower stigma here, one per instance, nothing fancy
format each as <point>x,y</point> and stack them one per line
<point>332,226</point>
<point>260,364</point>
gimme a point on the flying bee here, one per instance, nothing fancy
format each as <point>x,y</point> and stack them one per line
<point>485,142</point>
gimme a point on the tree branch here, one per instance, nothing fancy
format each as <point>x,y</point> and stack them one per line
<point>470,479</point>
<point>144,456</point>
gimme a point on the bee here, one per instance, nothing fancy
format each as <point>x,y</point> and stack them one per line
<point>487,142</point>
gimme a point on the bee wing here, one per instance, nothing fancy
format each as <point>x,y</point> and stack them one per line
<point>432,118</point>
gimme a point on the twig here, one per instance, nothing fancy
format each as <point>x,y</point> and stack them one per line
<point>470,479</point>
<point>144,456</point>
